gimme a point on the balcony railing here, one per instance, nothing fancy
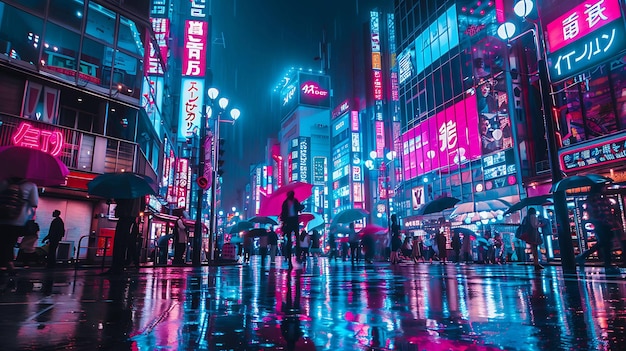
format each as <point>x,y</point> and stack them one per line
<point>80,151</point>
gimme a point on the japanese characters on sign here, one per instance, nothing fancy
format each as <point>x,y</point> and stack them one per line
<point>580,21</point>
<point>192,100</point>
<point>161,28</point>
<point>377,75</point>
<point>320,170</point>
<point>182,182</point>
<point>160,8</point>
<point>304,158</point>
<point>49,141</point>
<point>314,91</point>
<point>194,58</point>
<point>600,152</point>
<point>585,36</point>
<point>448,138</point>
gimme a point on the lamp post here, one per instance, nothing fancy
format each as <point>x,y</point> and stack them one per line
<point>234,114</point>
<point>506,31</point>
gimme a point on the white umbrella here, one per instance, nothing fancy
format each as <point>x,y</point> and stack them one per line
<point>480,206</point>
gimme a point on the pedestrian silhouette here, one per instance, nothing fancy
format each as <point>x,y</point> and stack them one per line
<point>55,234</point>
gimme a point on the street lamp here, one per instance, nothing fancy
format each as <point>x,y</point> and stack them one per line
<point>234,115</point>
<point>506,31</point>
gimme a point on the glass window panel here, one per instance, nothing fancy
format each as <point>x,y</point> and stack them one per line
<point>60,50</point>
<point>36,6</point>
<point>438,89</point>
<point>129,37</point>
<point>618,77</point>
<point>127,74</point>
<point>600,116</point>
<point>69,13</point>
<point>20,34</point>
<point>95,63</point>
<point>100,22</point>
<point>456,79</point>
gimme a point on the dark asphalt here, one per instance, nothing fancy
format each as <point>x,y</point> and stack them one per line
<point>324,306</point>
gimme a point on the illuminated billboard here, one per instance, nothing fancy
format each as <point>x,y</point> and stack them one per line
<point>314,90</point>
<point>161,28</point>
<point>191,102</point>
<point>583,37</point>
<point>448,138</point>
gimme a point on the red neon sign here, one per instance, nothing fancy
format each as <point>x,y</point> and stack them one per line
<point>580,21</point>
<point>45,140</point>
<point>313,89</point>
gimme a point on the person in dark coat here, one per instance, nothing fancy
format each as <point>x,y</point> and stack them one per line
<point>289,214</point>
<point>440,239</point>
<point>55,234</point>
<point>126,210</point>
<point>456,246</point>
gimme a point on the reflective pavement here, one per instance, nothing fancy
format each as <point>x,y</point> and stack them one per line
<point>323,306</point>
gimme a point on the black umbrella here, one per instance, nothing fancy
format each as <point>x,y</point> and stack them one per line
<point>240,226</point>
<point>438,205</point>
<point>579,181</point>
<point>540,200</point>
<point>465,231</point>
<point>263,220</point>
<point>121,185</point>
<point>257,232</point>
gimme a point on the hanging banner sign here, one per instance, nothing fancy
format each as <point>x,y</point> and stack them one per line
<point>601,152</point>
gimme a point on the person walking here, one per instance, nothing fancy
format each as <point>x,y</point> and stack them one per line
<point>134,245</point>
<point>354,241</point>
<point>28,250</point>
<point>466,248</point>
<point>263,248</point>
<point>396,241</point>
<point>272,241</point>
<point>289,214</point>
<point>315,250</point>
<point>532,237</point>
<point>180,241</point>
<point>602,217</point>
<point>126,210</point>
<point>441,241</point>
<point>304,243</point>
<point>163,243</point>
<point>456,246</point>
<point>18,202</point>
<point>55,234</point>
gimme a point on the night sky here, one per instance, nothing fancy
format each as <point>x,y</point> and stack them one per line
<point>263,39</point>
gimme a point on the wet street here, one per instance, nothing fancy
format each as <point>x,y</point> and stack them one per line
<point>324,306</point>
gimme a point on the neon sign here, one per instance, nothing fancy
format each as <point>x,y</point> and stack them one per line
<point>45,140</point>
<point>580,21</point>
<point>313,89</point>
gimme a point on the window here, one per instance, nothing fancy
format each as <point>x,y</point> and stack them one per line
<point>95,62</point>
<point>20,35</point>
<point>100,22</point>
<point>60,50</point>
<point>129,38</point>
<point>68,13</point>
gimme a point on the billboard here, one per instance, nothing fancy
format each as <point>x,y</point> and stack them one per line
<point>191,102</point>
<point>448,138</point>
<point>161,28</point>
<point>585,36</point>
<point>314,90</point>
<point>194,51</point>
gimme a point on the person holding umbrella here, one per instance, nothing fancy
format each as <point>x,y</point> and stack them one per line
<point>290,211</point>
<point>126,210</point>
<point>21,196</point>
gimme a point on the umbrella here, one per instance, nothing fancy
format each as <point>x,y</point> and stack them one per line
<point>339,229</point>
<point>438,205</point>
<point>305,218</point>
<point>263,220</point>
<point>579,182</point>
<point>256,232</point>
<point>349,215</point>
<point>316,223</point>
<point>482,241</point>
<point>33,165</point>
<point>240,226</point>
<point>541,200</point>
<point>311,220</point>
<point>372,229</point>
<point>272,204</point>
<point>465,232</point>
<point>121,185</point>
<point>480,206</point>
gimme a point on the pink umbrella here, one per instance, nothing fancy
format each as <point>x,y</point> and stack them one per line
<point>272,204</point>
<point>372,229</point>
<point>33,165</point>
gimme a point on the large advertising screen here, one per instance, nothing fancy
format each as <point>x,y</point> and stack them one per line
<point>191,102</point>
<point>314,90</point>
<point>583,37</point>
<point>448,138</point>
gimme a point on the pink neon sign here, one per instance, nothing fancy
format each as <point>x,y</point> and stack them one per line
<point>313,89</point>
<point>45,140</point>
<point>194,54</point>
<point>580,21</point>
<point>161,28</point>
<point>448,138</point>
